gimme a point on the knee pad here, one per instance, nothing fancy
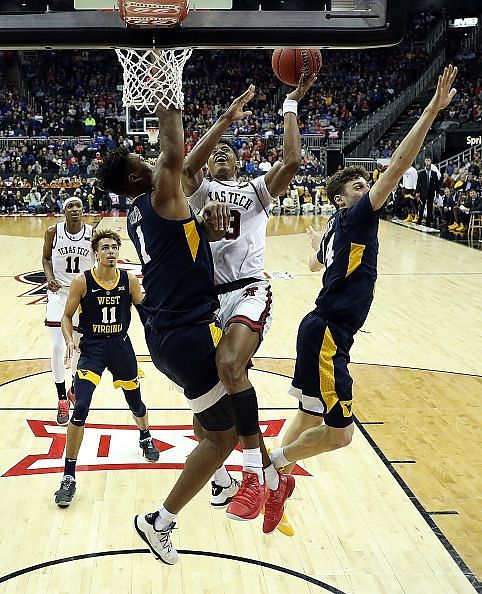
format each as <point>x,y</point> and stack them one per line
<point>134,402</point>
<point>83,394</point>
<point>218,417</point>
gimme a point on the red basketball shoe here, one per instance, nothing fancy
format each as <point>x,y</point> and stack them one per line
<point>249,499</point>
<point>275,505</point>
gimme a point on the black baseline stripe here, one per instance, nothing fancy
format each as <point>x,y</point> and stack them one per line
<point>443,513</point>
<point>287,571</point>
<point>402,462</point>
<point>371,422</point>
<point>422,511</point>
<point>125,408</point>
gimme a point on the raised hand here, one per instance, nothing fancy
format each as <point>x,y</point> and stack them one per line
<point>314,237</point>
<point>444,92</point>
<point>303,87</point>
<point>236,110</point>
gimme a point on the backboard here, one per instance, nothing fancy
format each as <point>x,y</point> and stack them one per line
<point>213,24</point>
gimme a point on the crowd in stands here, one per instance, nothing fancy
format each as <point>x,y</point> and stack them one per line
<point>459,194</point>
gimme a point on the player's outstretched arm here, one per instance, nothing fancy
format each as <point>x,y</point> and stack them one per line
<point>167,196</point>
<point>192,169</point>
<point>278,177</point>
<point>315,241</point>
<point>52,283</point>
<point>411,144</point>
<point>77,290</point>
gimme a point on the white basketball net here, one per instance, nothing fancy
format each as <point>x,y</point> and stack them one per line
<point>153,77</point>
<point>153,134</point>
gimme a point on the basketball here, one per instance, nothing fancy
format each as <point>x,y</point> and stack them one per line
<point>289,64</point>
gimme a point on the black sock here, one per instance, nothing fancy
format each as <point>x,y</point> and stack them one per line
<point>144,434</point>
<point>61,393</point>
<point>70,466</point>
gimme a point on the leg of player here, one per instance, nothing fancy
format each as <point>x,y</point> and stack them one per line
<point>155,528</point>
<point>223,485</point>
<point>57,361</point>
<point>75,433</point>
<point>233,353</point>
<point>139,412</point>
<point>300,423</point>
<point>312,441</point>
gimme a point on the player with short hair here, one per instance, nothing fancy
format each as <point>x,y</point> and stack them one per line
<point>66,252</point>
<point>245,295</point>
<point>348,249</point>
<point>104,296</point>
<point>179,307</point>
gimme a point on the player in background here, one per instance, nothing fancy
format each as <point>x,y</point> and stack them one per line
<point>66,252</point>
<point>104,295</point>
<point>245,295</point>
<point>348,249</point>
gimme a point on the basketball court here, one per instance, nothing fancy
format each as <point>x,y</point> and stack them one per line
<point>396,512</point>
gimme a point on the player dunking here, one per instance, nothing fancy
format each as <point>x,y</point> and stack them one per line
<point>105,295</point>
<point>66,253</point>
<point>245,295</point>
<point>348,250</point>
<point>181,334</point>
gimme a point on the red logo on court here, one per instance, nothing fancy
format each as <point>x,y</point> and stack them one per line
<point>115,447</point>
<point>39,285</point>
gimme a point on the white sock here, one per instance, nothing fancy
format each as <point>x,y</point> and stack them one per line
<point>272,477</point>
<point>278,459</point>
<point>164,519</point>
<point>222,477</point>
<point>253,462</point>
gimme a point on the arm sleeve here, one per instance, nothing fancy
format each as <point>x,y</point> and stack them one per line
<point>200,196</point>
<point>261,190</point>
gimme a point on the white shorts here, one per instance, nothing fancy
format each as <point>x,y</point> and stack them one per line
<point>55,309</point>
<point>252,305</point>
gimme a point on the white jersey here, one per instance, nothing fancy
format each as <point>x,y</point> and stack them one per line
<point>240,254</point>
<point>409,179</point>
<point>71,254</point>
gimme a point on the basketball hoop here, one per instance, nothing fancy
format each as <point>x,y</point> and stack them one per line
<point>153,134</point>
<point>153,13</point>
<point>153,77</point>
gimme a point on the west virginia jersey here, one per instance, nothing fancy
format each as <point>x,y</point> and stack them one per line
<point>349,250</point>
<point>105,311</point>
<point>177,266</point>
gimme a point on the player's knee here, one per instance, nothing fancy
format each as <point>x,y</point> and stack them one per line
<point>341,437</point>
<point>223,442</point>
<point>230,369</point>
<point>134,402</point>
<point>79,414</point>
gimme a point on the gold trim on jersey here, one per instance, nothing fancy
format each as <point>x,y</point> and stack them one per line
<point>88,375</point>
<point>101,284</point>
<point>127,384</point>
<point>192,237</point>
<point>327,371</point>
<point>356,255</point>
<point>216,333</point>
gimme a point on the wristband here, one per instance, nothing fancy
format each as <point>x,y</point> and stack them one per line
<point>290,106</point>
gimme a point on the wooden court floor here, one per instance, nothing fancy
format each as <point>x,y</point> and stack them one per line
<point>398,511</point>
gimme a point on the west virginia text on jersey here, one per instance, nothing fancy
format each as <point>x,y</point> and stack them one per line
<point>105,311</point>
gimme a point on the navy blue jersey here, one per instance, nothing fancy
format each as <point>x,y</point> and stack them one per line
<point>104,311</point>
<point>349,250</point>
<point>177,266</point>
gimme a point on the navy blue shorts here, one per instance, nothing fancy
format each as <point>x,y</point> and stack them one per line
<point>322,382</point>
<point>187,356</point>
<point>115,354</point>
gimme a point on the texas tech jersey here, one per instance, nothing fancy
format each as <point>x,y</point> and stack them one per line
<point>240,254</point>
<point>71,254</point>
<point>349,250</point>
<point>105,311</point>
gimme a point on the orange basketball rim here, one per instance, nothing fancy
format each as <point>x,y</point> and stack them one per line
<point>153,13</point>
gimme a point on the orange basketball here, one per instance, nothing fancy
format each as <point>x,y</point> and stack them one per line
<point>289,64</point>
